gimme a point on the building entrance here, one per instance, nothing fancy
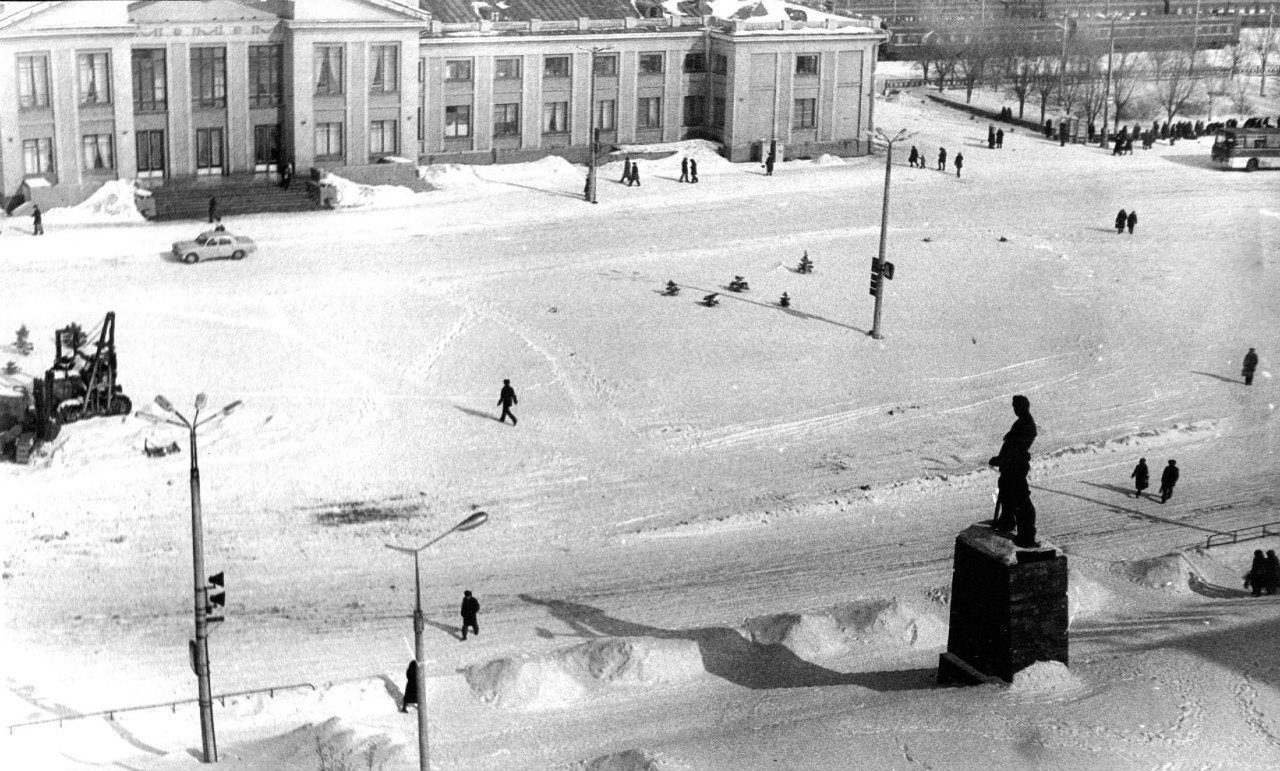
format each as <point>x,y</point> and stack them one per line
<point>150,154</point>
<point>209,152</point>
<point>266,147</point>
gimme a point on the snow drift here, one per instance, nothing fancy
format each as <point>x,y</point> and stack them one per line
<point>353,195</point>
<point>878,626</point>
<point>111,203</point>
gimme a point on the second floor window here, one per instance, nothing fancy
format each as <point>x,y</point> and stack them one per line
<point>457,69</point>
<point>606,66</point>
<point>555,118</point>
<point>33,81</point>
<point>507,68</point>
<point>97,151</point>
<point>649,112</point>
<point>457,120</point>
<point>264,76</point>
<point>555,67</point>
<point>720,64</point>
<point>695,63</point>
<point>209,77</point>
<point>506,120</point>
<point>807,64</point>
<point>328,70</point>
<point>651,64</point>
<point>93,71</point>
<point>149,84</point>
<point>806,114</point>
<point>386,69</point>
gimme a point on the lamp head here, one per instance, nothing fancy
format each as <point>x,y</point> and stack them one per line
<point>230,408</point>
<point>473,521</point>
<point>201,401</point>
<point>164,403</point>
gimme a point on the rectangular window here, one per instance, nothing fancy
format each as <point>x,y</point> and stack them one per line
<point>807,64</point>
<point>382,137</point>
<point>328,70</point>
<point>695,63</point>
<point>37,155</point>
<point>717,111</point>
<point>605,65</point>
<point>328,140</point>
<point>555,67</point>
<point>33,81</point>
<point>457,120</point>
<point>150,91</point>
<point>607,115</point>
<point>97,151</point>
<point>649,112</point>
<point>555,117</point>
<point>651,64</point>
<point>93,71</point>
<point>720,64</point>
<point>806,114</point>
<point>507,68</point>
<point>506,120</point>
<point>386,69</point>
<point>209,77</point>
<point>265,62</point>
<point>695,110</point>
<point>457,69</point>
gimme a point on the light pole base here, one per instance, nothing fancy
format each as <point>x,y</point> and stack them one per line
<point>875,335</point>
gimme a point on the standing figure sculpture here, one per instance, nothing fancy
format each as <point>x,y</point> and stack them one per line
<point>1014,462</point>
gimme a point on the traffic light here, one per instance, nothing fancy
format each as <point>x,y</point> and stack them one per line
<point>216,599</point>
<point>876,272</point>
<point>888,270</point>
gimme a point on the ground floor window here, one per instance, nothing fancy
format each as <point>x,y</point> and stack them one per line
<point>649,112</point>
<point>98,151</point>
<point>382,137</point>
<point>555,118</point>
<point>457,120</point>
<point>805,115</point>
<point>328,140</point>
<point>37,155</point>
<point>717,111</point>
<point>506,120</point>
<point>606,115</point>
<point>695,110</point>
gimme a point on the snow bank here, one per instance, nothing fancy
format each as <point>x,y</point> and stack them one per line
<point>1046,678</point>
<point>569,675</point>
<point>1168,572</point>
<point>355,195</point>
<point>330,744</point>
<point>113,202</point>
<point>627,760</point>
<point>1085,597</point>
<point>876,625</point>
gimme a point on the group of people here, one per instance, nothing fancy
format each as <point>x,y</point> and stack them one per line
<point>470,621</point>
<point>630,173</point>
<point>1264,574</point>
<point>1126,220</point>
<point>1141,477</point>
<point>995,137</point>
<point>916,159</point>
<point>688,170</point>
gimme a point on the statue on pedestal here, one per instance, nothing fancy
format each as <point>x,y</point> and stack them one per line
<point>1014,507</point>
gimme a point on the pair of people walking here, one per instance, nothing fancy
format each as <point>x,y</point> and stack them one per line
<point>1126,219</point>
<point>630,173</point>
<point>688,170</point>
<point>995,137</point>
<point>470,620</point>
<point>1264,573</point>
<point>1141,477</point>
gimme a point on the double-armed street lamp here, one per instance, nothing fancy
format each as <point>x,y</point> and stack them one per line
<point>594,141</point>
<point>419,623</point>
<point>200,646</point>
<point>880,268</point>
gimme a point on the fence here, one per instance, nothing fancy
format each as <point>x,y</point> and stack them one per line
<point>1242,534</point>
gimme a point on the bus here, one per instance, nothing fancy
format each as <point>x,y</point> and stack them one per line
<point>1248,148</point>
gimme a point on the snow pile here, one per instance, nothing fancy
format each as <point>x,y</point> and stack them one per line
<point>880,625</point>
<point>627,760</point>
<point>355,195</point>
<point>1169,572</point>
<point>1085,597</point>
<point>113,202</point>
<point>1046,678</point>
<point>450,176</point>
<point>569,675</point>
<point>827,159</point>
<point>330,744</point>
<point>701,149</point>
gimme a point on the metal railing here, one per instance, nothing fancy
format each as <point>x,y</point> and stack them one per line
<point>1242,534</point>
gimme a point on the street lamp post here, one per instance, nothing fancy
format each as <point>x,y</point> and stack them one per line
<point>419,623</point>
<point>1106,91</point>
<point>877,268</point>
<point>590,193</point>
<point>200,646</point>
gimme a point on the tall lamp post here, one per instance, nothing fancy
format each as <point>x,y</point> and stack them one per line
<point>1111,52</point>
<point>200,647</point>
<point>590,193</point>
<point>878,270</point>
<point>419,623</point>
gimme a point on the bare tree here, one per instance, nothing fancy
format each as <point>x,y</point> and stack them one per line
<point>1087,72</point>
<point>1124,79</point>
<point>1044,84</point>
<point>975,52</point>
<point>1071,87</point>
<point>1022,73</point>
<point>1175,80</point>
<point>1263,45</point>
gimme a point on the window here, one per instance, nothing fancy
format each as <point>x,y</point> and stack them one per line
<point>264,75</point>
<point>149,89</point>
<point>805,115</point>
<point>507,68</point>
<point>651,64</point>
<point>717,111</point>
<point>649,112</point>
<point>555,67</point>
<point>93,71</point>
<point>328,70</point>
<point>33,81</point>
<point>555,118</point>
<point>720,64</point>
<point>457,120</point>
<point>606,66</point>
<point>607,115</point>
<point>807,64</point>
<point>506,120</point>
<point>37,155</point>
<point>457,69</point>
<point>386,69</point>
<point>328,140</point>
<point>97,151</point>
<point>695,63</point>
<point>382,137</point>
<point>695,110</point>
<point>209,76</point>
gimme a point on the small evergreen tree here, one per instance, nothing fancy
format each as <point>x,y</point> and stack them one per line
<point>806,265</point>
<point>23,340</point>
<point>672,290</point>
<point>784,301</point>
<point>710,300</point>
<point>11,368</point>
<point>738,284</point>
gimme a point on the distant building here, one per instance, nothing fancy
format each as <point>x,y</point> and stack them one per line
<point>163,89</point>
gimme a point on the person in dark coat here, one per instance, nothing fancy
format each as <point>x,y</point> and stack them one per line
<point>635,173</point>
<point>693,170</point>
<point>286,174</point>
<point>999,138</point>
<point>942,159</point>
<point>626,172</point>
<point>1168,478</point>
<point>914,157</point>
<point>1048,129</point>
<point>213,209</point>
<point>1131,220</point>
<point>959,163</point>
<point>1256,578</point>
<point>1062,134</point>
<point>1250,365</point>
<point>684,170</point>
<point>1272,577</point>
<point>768,165</point>
<point>1122,219</point>
<point>37,221</point>
<point>410,687</point>
<point>991,137</point>
<point>1141,477</point>
<point>1014,462</point>
<point>470,607</point>
<point>507,398</point>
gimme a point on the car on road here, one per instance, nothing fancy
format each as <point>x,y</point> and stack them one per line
<point>214,245</point>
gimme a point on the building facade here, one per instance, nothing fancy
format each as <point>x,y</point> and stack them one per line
<point>162,90</point>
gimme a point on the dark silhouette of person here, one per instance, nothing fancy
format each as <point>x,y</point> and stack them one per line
<point>507,399</point>
<point>470,607</point>
<point>410,687</point>
<point>914,157</point>
<point>1168,478</point>
<point>626,172</point>
<point>1062,133</point>
<point>693,170</point>
<point>1272,577</point>
<point>286,173</point>
<point>942,159</point>
<point>213,209</point>
<point>1014,462</point>
<point>1122,218</point>
<point>1132,220</point>
<point>1256,578</point>
<point>219,228</point>
<point>768,164</point>
<point>635,173</point>
<point>959,163</point>
<point>1141,477</point>
<point>991,137</point>
<point>37,221</point>
<point>1250,365</point>
<point>999,138</point>
<point>684,170</point>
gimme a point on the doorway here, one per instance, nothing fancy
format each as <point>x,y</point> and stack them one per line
<point>209,152</point>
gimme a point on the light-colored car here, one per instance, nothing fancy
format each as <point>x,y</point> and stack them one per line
<point>214,245</point>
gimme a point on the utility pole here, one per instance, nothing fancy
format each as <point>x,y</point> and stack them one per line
<point>593,143</point>
<point>1267,44</point>
<point>880,269</point>
<point>1062,67</point>
<point>1106,92</point>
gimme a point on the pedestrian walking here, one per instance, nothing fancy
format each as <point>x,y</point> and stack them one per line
<point>213,209</point>
<point>959,163</point>
<point>693,170</point>
<point>1141,477</point>
<point>1122,219</point>
<point>37,221</point>
<point>1168,478</point>
<point>626,172</point>
<point>286,173</point>
<point>684,170</point>
<point>1256,578</point>
<point>1062,133</point>
<point>914,157</point>
<point>942,159</point>
<point>1048,129</point>
<point>410,687</point>
<point>991,137</point>
<point>768,165</point>
<point>470,607</point>
<point>635,173</point>
<point>507,398</point>
<point>1132,220</point>
<point>1272,577</point>
<point>1250,365</point>
<point>999,139</point>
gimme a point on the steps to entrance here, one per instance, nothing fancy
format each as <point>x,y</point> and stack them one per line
<point>190,200</point>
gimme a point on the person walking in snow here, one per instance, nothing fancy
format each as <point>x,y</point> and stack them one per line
<point>1121,220</point>
<point>999,138</point>
<point>959,163</point>
<point>684,170</point>
<point>914,157</point>
<point>1132,220</point>
<point>1250,365</point>
<point>1014,462</point>
<point>991,137</point>
<point>507,399</point>
<point>693,170</point>
<point>768,165</point>
<point>626,172</point>
<point>213,209</point>
<point>470,609</point>
<point>410,687</point>
<point>1141,477</point>
<point>1062,133</point>
<point>37,221</point>
<point>635,173</point>
<point>942,159</point>
<point>1256,578</point>
<point>1271,580</point>
<point>1168,478</point>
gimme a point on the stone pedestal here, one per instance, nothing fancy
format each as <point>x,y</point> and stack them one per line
<point>1008,608</point>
